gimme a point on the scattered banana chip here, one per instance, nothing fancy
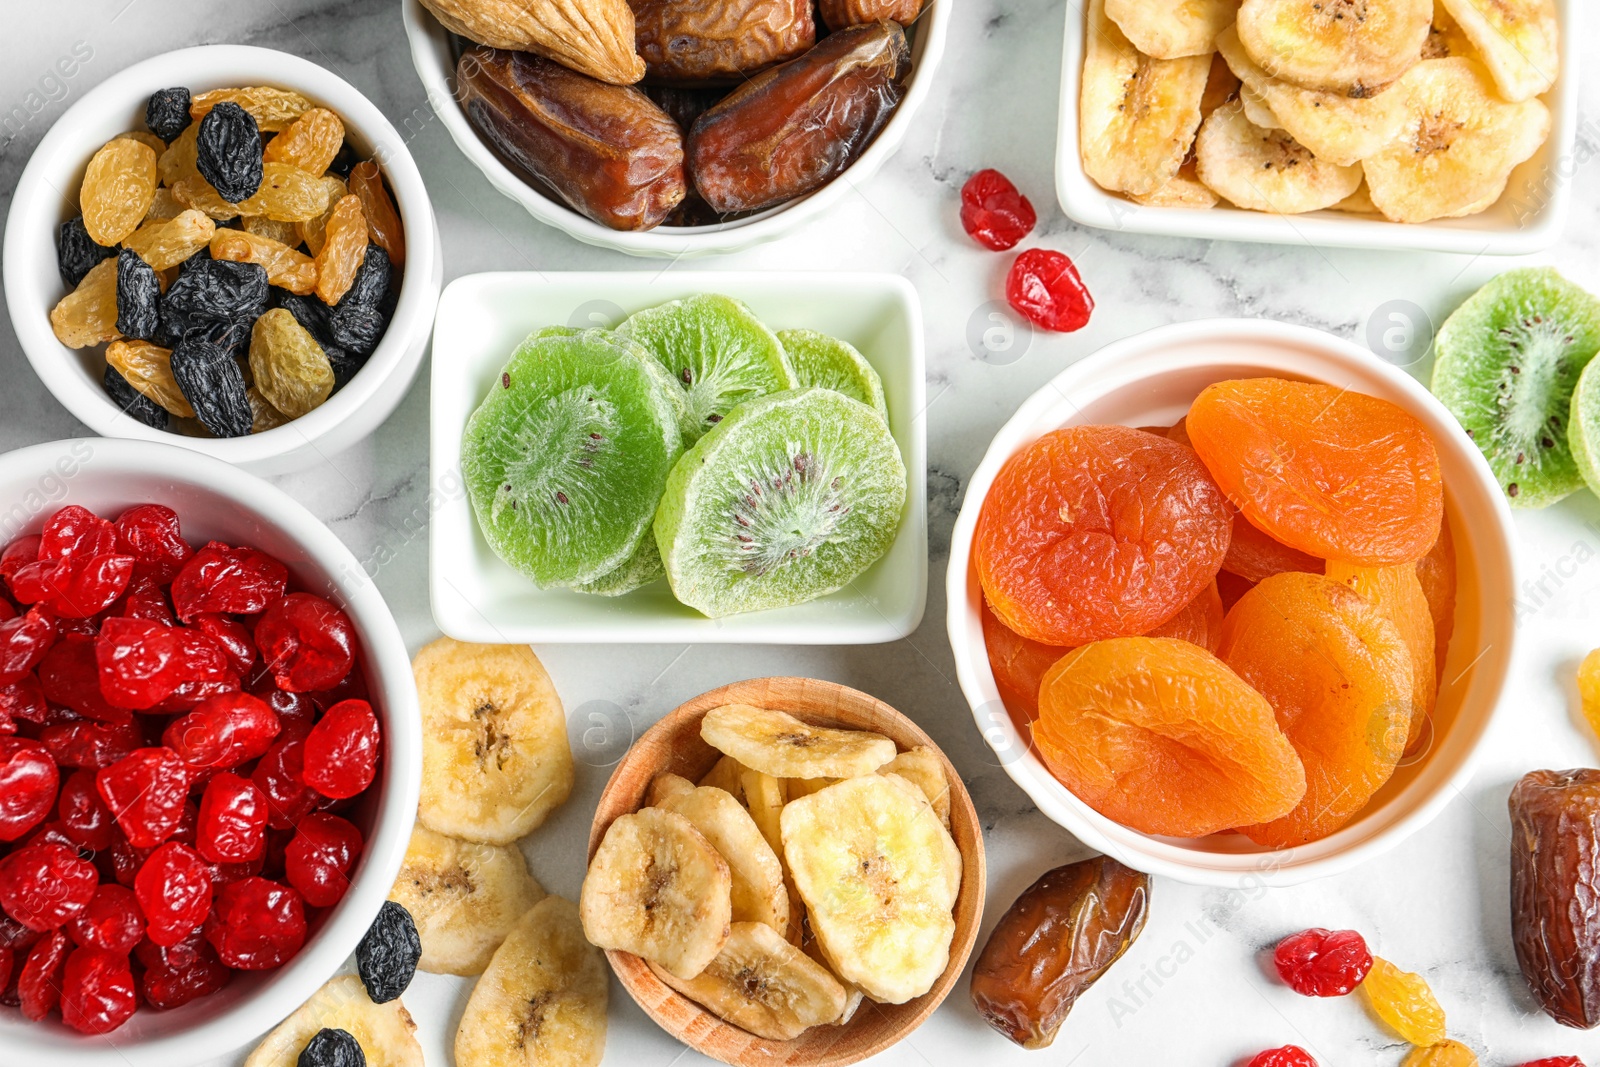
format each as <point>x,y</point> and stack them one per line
<point>1266,170</point>
<point>1518,40</point>
<point>778,744</point>
<point>756,892</point>
<point>725,775</point>
<point>464,897</point>
<point>761,983</point>
<point>665,786</point>
<point>385,1032</point>
<point>542,1002</point>
<point>878,874</point>
<point>1349,47</point>
<point>1172,29</point>
<point>923,769</point>
<point>495,759</point>
<point>1137,115</point>
<point>1337,129</point>
<point>656,888</point>
<point>1457,147</point>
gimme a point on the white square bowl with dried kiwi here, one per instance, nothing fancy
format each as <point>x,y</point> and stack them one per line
<point>754,439</point>
<point>1429,124</point>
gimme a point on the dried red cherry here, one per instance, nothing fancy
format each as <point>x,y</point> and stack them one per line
<point>18,554</point>
<point>223,732</point>
<point>205,671</point>
<point>28,783</point>
<point>1555,1061</point>
<point>84,816</point>
<point>173,978</point>
<point>75,531</point>
<point>233,820</point>
<point>39,982</point>
<point>1044,288</point>
<point>151,535</point>
<point>256,924</point>
<point>1323,963</point>
<point>235,581</point>
<point>112,920</point>
<point>306,642</point>
<point>281,778</point>
<point>24,640</point>
<point>90,744</point>
<point>139,662</point>
<point>145,791</point>
<point>69,674</point>
<point>296,712</point>
<point>1287,1056</point>
<point>174,889</point>
<point>146,599</point>
<point>233,637</point>
<point>76,587</point>
<point>993,212</point>
<point>44,885</point>
<point>97,991</point>
<point>341,753</point>
<point>318,860</point>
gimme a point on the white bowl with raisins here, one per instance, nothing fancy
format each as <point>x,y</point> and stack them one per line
<point>271,330</point>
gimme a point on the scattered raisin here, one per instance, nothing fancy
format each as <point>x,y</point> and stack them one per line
<point>212,290</point>
<point>169,242</point>
<point>117,189</point>
<point>88,315</point>
<point>286,268</point>
<point>213,384</point>
<point>388,953</point>
<point>228,151</point>
<point>310,142</point>
<point>383,221</point>
<point>76,251</point>
<point>195,192</point>
<point>133,403</point>
<point>138,297</point>
<point>167,113</point>
<point>343,250</point>
<point>1405,1002</point>
<point>332,1048</point>
<point>290,369</point>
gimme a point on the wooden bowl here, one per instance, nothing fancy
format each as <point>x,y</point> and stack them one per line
<point>674,744</point>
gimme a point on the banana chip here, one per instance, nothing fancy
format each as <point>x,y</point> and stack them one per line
<point>725,775</point>
<point>665,786</point>
<point>1137,115</point>
<point>778,744</point>
<point>385,1032</point>
<point>761,983</point>
<point>853,996</point>
<point>924,770</point>
<point>1349,47</point>
<point>757,891</point>
<point>1457,147</point>
<point>1445,38</point>
<point>1266,170</point>
<point>1172,29</point>
<point>1186,190</point>
<point>1518,40</point>
<point>1256,109</point>
<point>1358,203</point>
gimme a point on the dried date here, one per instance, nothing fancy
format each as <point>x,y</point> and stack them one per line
<point>1053,943</point>
<point>837,14</point>
<point>607,150</point>
<point>797,126</point>
<point>1555,881</point>
<point>719,40</point>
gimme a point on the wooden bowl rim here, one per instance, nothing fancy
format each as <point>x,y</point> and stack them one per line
<point>703,1031</point>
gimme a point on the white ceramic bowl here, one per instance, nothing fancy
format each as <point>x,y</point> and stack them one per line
<point>482,318</point>
<point>1541,188</point>
<point>47,194</point>
<point>435,62</point>
<point>1151,379</point>
<point>215,500</point>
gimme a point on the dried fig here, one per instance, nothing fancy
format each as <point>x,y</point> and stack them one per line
<point>719,40</point>
<point>1555,881</point>
<point>796,126</point>
<point>607,150</point>
<point>591,36</point>
<point>1053,943</point>
<point>837,14</point>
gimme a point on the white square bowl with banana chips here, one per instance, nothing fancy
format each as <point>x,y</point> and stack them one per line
<point>482,319</point>
<point>1527,90</point>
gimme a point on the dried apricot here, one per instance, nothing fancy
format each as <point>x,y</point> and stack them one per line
<point>309,142</point>
<point>290,368</point>
<point>1199,621</point>
<point>1254,555</point>
<point>148,368</point>
<point>1018,665</point>
<point>273,109</point>
<point>1338,675</point>
<point>1437,573</point>
<point>1404,1002</point>
<point>1098,531</point>
<point>311,231</point>
<point>344,247</point>
<point>88,315</point>
<point>166,243</point>
<point>1163,737</point>
<point>286,268</point>
<point>1331,472</point>
<point>117,189</point>
<point>383,222</point>
<point>1397,593</point>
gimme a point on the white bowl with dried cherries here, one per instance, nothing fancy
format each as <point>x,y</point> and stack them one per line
<point>658,127</point>
<point>242,242</point>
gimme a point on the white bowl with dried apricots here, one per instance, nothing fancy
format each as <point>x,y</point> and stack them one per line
<point>1435,125</point>
<point>332,401</point>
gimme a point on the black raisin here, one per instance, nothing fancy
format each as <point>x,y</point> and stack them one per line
<point>172,327</point>
<point>344,364</point>
<point>76,251</point>
<point>332,1048</point>
<point>372,278</point>
<point>344,161</point>
<point>218,290</point>
<point>228,152</point>
<point>311,313</point>
<point>388,954</point>
<point>138,297</point>
<point>357,327</point>
<point>167,113</point>
<point>212,382</point>
<point>133,403</point>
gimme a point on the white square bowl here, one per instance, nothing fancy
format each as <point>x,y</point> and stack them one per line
<point>482,318</point>
<point>1529,217</point>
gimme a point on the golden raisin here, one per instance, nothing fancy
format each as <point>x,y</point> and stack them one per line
<point>343,250</point>
<point>195,192</point>
<point>148,369</point>
<point>164,244</point>
<point>282,232</point>
<point>164,206</point>
<point>290,368</point>
<point>178,161</point>
<point>311,230</point>
<point>264,416</point>
<point>1444,1054</point>
<point>273,109</point>
<point>309,142</point>
<point>286,268</point>
<point>118,187</point>
<point>88,315</point>
<point>145,137</point>
<point>383,221</point>
<point>1405,1003</point>
<point>287,194</point>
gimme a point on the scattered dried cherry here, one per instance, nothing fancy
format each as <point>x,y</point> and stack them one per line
<point>306,642</point>
<point>257,924</point>
<point>1555,1061</point>
<point>84,816</point>
<point>204,668</point>
<point>318,859</point>
<point>28,783</point>
<point>146,599</point>
<point>993,212</point>
<point>77,587</point>
<point>97,991</point>
<point>388,953</point>
<point>1287,1056</point>
<point>220,578</point>
<point>1044,287</point>
<point>145,791</point>
<point>232,636</point>
<point>228,152</point>
<point>341,751</point>
<point>167,112</point>
<point>233,820</point>
<point>222,732</point>
<point>44,885</point>
<point>1323,963</point>
<point>174,889</point>
<point>151,534</point>
<point>112,920</point>
<point>39,981</point>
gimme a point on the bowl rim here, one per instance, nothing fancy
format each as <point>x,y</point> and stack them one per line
<point>429,40</point>
<point>389,665</point>
<point>28,224</point>
<point>1141,851</point>
<point>637,979</point>
<point>1085,202</point>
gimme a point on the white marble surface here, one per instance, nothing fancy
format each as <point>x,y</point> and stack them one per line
<point>1192,990</point>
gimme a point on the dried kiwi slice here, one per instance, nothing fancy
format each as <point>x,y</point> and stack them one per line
<point>635,572</point>
<point>830,363</point>
<point>789,498</point>
<point>1507,363</point>
<point>717,353</point>
<point>567,456</point>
